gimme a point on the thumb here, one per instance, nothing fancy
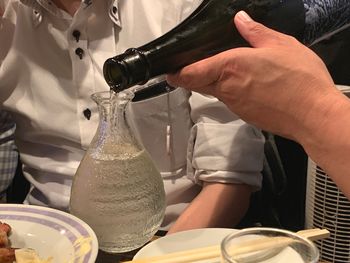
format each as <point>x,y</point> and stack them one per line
<point>255,33</point>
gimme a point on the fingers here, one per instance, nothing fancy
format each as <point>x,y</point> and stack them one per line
<point>198,76</point>
<point>257,34</point>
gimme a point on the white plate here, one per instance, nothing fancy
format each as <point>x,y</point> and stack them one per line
<point>180,241</point>
<point>52,233</point>
<point>198,238</point>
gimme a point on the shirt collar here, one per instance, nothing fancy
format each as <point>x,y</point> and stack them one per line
<point>31,3</point>
<point>114,12</point>
<point>37,11</point>
<point>39,5</point>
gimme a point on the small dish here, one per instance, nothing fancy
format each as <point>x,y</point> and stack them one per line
<point>52,233</point>
<point>185,240</point>
<point>199,238</point>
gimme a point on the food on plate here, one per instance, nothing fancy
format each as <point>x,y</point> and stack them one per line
<point>7,255</point>
<point>16,255</point>
<point>28,255</point>
<point>5,230</point>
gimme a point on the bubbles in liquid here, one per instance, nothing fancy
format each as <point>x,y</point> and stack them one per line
<point>120,195</point>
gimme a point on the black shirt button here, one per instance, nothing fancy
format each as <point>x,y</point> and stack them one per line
<point>76,35</point>
<point>79,52</point>
<point>87,114</point>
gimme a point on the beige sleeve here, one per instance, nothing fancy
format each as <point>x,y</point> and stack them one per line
<point>3,4</point>
<point>1,8</point>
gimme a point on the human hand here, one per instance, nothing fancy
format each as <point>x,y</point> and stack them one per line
<point>273,85</point>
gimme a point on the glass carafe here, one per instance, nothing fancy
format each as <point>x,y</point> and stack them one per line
<point>117,189</point>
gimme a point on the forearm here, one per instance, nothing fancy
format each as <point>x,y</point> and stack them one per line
<point>326,137</point>
<point>217,205</point>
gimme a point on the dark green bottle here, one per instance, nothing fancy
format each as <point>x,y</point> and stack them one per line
<point>206,32</point>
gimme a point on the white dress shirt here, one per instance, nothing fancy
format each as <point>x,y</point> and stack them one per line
<point>52,63</point>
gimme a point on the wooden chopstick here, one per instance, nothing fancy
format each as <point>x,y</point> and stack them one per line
<point>210,252</point>
<point>314,234</point>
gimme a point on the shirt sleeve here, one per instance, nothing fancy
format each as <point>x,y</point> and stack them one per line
<point>8,152</point>
<point>320,17</point>
<point>2,7</point>
<point>7,26</point>
<point>187,8</point>
<point>3,4</point>
<point>222,147</point>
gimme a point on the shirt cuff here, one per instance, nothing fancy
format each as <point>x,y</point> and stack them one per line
<point>227,153</point>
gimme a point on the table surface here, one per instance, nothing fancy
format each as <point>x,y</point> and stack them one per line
<point>104,257</point>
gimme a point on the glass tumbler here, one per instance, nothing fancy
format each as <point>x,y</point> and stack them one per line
<point>268,245</point>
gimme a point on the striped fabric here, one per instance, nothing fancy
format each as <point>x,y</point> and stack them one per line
<point>8,152</point>
<point>320,17</point>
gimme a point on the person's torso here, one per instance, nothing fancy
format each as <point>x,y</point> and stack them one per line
<point>52,66</point>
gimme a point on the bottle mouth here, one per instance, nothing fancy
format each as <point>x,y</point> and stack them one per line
<point>126,70</point>
<point>115,74</point>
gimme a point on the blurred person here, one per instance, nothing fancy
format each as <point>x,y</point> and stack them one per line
<point>8,153</point>
<point>52,53</point>
<point>283,87</point>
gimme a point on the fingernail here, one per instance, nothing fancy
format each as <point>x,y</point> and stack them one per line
<point>243,16</point>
